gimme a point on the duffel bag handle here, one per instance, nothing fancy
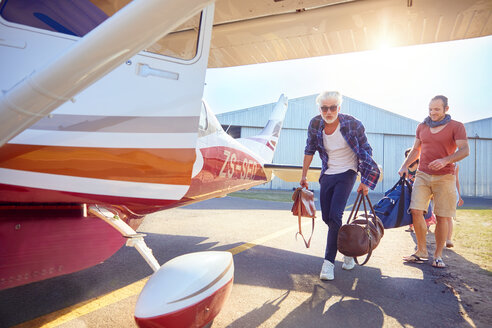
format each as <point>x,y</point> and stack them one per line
<point>401,205</point>
<point>367,229</point>
<point>297,197</point>
<point>355,209</point>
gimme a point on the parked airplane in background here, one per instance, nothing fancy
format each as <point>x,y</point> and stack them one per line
<point>101,113</point>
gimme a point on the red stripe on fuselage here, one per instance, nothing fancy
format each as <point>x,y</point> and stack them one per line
<point>225,170</point>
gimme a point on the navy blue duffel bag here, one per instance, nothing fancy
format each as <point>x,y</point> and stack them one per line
<point>392,209</point>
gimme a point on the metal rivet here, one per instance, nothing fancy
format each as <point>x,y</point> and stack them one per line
<point>17,227</point>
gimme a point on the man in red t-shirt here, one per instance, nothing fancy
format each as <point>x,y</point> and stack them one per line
<point>436,141</point>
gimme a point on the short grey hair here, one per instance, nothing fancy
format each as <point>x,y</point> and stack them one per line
<point>329,95</point>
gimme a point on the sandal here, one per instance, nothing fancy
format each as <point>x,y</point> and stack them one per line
<point>438,263</point>
<point>414,259</point>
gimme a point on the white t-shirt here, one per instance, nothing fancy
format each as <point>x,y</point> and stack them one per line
<point>341,157</point>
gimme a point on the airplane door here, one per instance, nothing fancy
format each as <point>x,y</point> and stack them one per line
<point>131,134</point>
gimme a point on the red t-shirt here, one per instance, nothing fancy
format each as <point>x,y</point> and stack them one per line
<point>439,145</point>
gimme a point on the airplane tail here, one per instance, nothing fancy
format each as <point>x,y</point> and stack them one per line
<point>265,142</point>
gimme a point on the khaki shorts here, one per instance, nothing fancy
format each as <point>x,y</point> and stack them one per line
<point>443,187</point>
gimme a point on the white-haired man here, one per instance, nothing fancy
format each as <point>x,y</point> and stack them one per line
<point>342,145</point>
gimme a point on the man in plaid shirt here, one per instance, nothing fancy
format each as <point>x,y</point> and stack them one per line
<point>342,145</point>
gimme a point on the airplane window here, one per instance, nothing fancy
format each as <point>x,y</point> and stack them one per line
<point>232,130</point>
<point>80,17</point>
<point>213,124</point>
<point>74,18</point>
<point>208,122</point>
<point>179,44</point>
<point>203,124</point>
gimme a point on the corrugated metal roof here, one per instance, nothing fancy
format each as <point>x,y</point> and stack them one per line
<point>479,129</point>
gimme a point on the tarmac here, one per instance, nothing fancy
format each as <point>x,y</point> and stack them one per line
<point>276,280</point>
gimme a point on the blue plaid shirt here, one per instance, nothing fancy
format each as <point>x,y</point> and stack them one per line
<point>353,132</point>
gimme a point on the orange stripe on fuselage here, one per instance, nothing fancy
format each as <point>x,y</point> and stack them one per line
<point>165,166</point>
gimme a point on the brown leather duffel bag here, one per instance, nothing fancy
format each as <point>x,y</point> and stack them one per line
<point>304,207</point>
<point>362,235</point>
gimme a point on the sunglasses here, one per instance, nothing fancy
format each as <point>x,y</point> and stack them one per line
<point>332,108</point>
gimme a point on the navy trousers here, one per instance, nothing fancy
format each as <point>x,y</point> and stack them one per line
<point>334,193</point>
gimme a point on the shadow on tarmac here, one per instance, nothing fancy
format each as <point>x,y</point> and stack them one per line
<point>356,299</point>
<point>344,313</point>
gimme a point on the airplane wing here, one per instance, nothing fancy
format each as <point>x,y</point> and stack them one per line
<point>292,173</point>
<point>258,31</point>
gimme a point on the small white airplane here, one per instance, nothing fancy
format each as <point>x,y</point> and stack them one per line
<point>102,120</point>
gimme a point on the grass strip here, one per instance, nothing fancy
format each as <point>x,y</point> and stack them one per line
<point>472,236</point>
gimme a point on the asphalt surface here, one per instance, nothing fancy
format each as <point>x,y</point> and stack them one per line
<point>276,280</point>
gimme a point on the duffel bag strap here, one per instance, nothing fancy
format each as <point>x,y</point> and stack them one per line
<point>299,212</point>
<point>355,208</point>
<point>368,254</point>
<point>366,229</point>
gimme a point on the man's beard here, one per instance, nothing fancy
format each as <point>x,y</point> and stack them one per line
<point>329,121</point>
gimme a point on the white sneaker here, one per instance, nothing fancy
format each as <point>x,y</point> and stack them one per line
<point>348,263</point>
<point>327,271</point>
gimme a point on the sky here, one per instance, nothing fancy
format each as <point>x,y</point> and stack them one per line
<point>400,80</point>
